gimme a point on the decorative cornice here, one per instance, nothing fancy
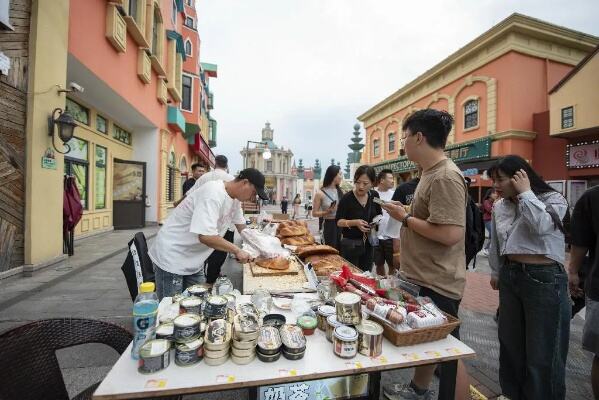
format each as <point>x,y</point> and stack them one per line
<point>514,134</point>
<point>516,33</point>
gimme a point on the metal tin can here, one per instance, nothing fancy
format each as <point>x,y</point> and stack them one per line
<point>177,297</point>
<point>215,307</point>
<point>218,335</point>
<point>244,345</point>
<point>332,323</point>
<point>345,341</point>
<point>293,339</point>
<point>190,353</point>
<point>191,305</point>
<point>324,311</point>
<point>154,356</point>
<point>348,309</point>
<point>268,358</point>
<point>269,341</point>
<point>246,327</point>
<point>370,340</point>
<point>216,361</point>
<point>243,360</point>
<point>165,331</point>
<point>293,356</point>
<point>187,328</point>
<point>200,291</point>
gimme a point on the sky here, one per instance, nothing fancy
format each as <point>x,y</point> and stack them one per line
<point>310,67</point>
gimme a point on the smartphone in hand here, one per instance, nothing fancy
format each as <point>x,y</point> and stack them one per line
<point>378,201</point>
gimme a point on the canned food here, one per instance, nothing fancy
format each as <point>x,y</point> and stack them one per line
<point>370,338</point>
<point>215,361</point>
<point>243,353</point>
<point>247,308</point>
<point>165,331</point>
<point>276,320</point>
<point>187,327</point>
<point>217,334</point>
<point>332,323</point>
<point>345,341</point>
<point>216,353</point>
<point>293,339</point>
<point>269,340</point>
<point>154,356</point>
<point>177,298</point>
<point>200,291</point>
<point>244,345</point>
<point>231,299</point>
<point>293,356</point>
<point>348,308</point>
<point>268,358</point>
<point>215,307</point>
<point>324,311</point>
<point>246,326</point>
<point>243,360</point>
<point>191,305</point>
<point>190,353</point>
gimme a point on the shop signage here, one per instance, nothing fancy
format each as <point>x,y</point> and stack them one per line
<point>344,387</point>
<point>583,155</point>
<point>398,166</point>
<point>212,158</point>
<point>49,160</point>
<point>204,147</point>
<point>472,150</point>
<point>470,172</point>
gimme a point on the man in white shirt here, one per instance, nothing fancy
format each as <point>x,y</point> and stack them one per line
<point>196,227</point>
<point>384,251</point>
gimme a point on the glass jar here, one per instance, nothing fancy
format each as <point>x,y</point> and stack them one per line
<point>223,285</point>
<point>262,299</point>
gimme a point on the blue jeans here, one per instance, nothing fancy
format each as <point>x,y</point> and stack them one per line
<point>488,227</point>
<point>534,330</point>
<point>169,284</point>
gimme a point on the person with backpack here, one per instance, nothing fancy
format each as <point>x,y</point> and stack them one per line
<point>527,256</point>
<point>432,242</point>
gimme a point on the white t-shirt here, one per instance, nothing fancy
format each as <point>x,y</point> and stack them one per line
<point>209,212</point>
<point>382,231</point>
<point>214,175</point>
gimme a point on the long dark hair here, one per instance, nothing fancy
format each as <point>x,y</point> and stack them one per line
<point>511,164</point>
<point>488,194</point>
<point>329,176</point>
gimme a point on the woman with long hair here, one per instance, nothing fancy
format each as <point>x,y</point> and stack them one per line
<point>325,204</point>
<point>487,206</point>
<point>296,205</point>
<point>355,214</point>
<point>527,256</point>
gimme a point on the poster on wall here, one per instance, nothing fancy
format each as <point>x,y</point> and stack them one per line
<point>559,186</point>
<point>575,191</point>
<point>583,155</point>
<point>128,181</point>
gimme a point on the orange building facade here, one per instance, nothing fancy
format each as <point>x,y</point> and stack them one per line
<point>141,114</point>
<point>493,86</point>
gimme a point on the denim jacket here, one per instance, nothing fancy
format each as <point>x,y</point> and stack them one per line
<point>525,227</point>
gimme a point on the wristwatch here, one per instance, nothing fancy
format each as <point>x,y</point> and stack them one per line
<point>404,221</point>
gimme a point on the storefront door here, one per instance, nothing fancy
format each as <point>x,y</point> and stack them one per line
<point>129,194</point>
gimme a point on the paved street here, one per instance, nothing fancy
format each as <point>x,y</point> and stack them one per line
<point>91,285</point>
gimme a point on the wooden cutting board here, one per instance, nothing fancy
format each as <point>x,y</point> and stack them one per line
<point>294,268</point>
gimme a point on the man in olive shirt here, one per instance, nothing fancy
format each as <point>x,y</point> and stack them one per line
<point>432,240</point>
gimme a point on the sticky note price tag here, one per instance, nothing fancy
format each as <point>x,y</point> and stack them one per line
<point>380,359</point>
<point>225,378</point>
<point>353,365</point>
<point>434,354</point>
<point>155,383</point>
<point>411,356</point>
<point>454,351</point>
<point>287,372</point>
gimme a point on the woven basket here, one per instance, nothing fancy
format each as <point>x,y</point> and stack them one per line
<point>420,335</point>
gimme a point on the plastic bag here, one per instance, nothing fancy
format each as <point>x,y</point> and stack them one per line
<point>266,246</point>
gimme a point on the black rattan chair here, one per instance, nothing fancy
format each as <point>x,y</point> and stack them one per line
<point>30,369</point>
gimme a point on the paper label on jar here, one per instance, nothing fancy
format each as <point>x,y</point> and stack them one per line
<point>381,310</point>
<point>345,349</point>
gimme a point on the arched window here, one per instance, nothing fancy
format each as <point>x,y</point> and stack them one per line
<point>391,142</point>
<point>188,48</point>
<point>170,177</point>
<point>376,144</point>
<point>470,114</point>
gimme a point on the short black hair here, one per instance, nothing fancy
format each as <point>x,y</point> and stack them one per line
<point>365,170</point>
<point>435,125</point>
<point>196,165</point>
<point>221,161</point>
<point>383,173</point>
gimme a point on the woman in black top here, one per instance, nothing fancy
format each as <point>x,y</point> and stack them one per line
<point>355,212</point>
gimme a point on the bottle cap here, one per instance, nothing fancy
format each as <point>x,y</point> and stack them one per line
<point>147,287</point>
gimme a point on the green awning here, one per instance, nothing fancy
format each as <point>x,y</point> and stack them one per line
<point>175,119</point>
<point>210,69</point>
<point>190,132</point>
<point>174,35</point>
<point>179,4</point>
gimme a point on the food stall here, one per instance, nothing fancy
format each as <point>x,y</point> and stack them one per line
<point>309,325</point>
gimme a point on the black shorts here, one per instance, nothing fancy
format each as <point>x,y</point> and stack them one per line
<point>215,261</point>
<point>384,253</point>
<point>446,304</point>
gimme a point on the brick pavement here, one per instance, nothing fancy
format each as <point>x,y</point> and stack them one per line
<point>478,295</point>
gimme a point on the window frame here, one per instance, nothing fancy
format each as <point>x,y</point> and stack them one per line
<point>190,53</point>
<point>115,128</point>
<point>5,16</point>
<point>174,10</point>
<point>469,114</point>
<point>564,118</point>
<point>68,169</point>
<point>171,171</point>
<point>376,147</point>
<point>106,129</point>
<point>193,22</point>
<point>96,170</point>
<point>82,107</point>
<point>389,141</point>
<point>183,93</point>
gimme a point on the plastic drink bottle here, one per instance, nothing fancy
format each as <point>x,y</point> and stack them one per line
<point>145,311</point>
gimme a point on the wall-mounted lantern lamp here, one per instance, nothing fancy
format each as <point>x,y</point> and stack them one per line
<point>66,125</point>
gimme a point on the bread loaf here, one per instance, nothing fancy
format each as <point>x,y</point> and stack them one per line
<point>293,230</point>
<point>307,251</point>
<point>278,263</point>
<point>298,240</point>
<point>325,264</point>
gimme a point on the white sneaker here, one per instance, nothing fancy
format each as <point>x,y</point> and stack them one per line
<point>403,391</point>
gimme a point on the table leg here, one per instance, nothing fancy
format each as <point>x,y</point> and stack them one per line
<point>447,380</point>
<point>374,385</point>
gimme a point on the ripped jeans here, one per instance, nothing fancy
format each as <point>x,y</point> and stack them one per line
<point>168,284</point>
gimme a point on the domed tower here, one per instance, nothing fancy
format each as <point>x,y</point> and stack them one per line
<point>317,169</point>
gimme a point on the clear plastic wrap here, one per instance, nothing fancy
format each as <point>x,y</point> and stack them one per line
<point>259,244</point>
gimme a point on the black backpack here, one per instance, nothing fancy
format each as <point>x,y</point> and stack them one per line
<point>475,231</point>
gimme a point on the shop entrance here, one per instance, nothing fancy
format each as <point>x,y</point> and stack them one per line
<point>129,194</point>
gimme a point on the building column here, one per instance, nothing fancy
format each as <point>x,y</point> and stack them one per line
<point>48,50</point>
<point>278,197</point>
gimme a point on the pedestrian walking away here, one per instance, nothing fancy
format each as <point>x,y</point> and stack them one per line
<point>325,205</point>
<point>196,228</point>
<point>296,205</point>
<point>585,240</point>
<point>433,242</point>
<point>526,257</point>
<point>355,216</point>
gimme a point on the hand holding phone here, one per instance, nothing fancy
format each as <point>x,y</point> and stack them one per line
<point>378,201</point>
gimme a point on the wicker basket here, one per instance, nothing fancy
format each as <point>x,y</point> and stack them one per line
<point>420,335</point>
